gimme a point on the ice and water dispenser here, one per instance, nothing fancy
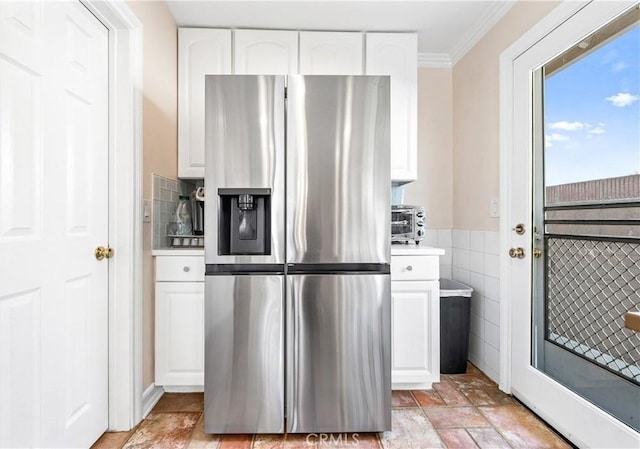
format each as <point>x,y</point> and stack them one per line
<point>245,221</point>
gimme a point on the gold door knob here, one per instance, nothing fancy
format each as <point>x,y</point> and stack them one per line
<point>537,253</point>
<point>103,253</point>
<point>516,253</point>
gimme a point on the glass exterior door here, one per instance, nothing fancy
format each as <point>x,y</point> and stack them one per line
<point>586,239</point>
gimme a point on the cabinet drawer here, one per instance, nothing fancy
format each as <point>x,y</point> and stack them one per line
<point>180,268</point>
<point>413,268</point>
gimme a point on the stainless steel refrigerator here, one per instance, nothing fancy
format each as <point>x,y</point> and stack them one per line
<point>297,286</point>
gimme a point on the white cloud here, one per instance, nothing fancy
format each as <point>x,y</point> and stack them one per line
<point>598,130</point>
<point>554,137</point>
<point>568,126</point>
<point>622,99</point>
<point>618,66</point>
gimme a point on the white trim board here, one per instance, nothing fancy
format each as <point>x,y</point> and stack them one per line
<point>184,389</point>
<point>507,59</point>
<point>150,398</point>
<point>435,60</point>
<point>125,211</point>
<point>468,40</point>
<point>484,24</point>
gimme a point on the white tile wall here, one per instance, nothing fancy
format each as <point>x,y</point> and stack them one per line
<point>471,257</point>
<point>475,262</point>
<point>441,238</point>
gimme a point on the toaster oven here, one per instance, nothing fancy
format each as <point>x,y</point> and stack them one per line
<point>407,224</point>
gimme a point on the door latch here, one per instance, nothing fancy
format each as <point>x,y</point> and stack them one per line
<point>519,228</point>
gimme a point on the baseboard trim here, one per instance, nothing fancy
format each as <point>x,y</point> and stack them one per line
<point>412,386</point>
<point>184,389</point>
<point>150,398</point>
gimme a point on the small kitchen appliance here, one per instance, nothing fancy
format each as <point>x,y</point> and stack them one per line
<point>197,211</point>
<point>407,224</point>
<point>297,285</point>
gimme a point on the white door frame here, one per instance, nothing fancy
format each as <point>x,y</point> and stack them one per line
<point>125,211</point>
<point>507,59</point>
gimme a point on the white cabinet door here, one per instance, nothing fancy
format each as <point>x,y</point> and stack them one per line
<point>265,52</point>
<point>200,52</point>
<point>415,331</point>
<point>179,333</point>
<point>396,54</point>
<point>331,53</point>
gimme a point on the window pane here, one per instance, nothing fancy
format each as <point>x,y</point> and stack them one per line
<point>592,109</point>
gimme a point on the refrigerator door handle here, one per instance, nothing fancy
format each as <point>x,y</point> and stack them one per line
<point>291,348</point>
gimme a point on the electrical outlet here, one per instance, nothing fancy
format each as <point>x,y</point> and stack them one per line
<point>494,209</point>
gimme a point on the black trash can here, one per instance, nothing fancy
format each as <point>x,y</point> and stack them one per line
<point>455,312</point>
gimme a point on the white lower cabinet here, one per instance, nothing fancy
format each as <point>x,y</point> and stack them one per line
<point>415,322</point>
<point>179,346</point>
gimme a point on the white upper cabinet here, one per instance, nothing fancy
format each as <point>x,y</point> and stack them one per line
<point>204,51</point>
<point>396,54</point>
<point>265,52</point>
<point>331,53</point>
<point>201,51</point>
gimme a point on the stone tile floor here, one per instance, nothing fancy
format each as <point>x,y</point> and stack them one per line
<point>462,411</point>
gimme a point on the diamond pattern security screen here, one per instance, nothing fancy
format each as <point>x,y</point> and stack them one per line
<point>591,284</point>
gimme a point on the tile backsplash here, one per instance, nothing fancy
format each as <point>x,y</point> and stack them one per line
<point>166,192</point>
<point>441,238</point>
<point>475,262</point>
<point>471,257</point>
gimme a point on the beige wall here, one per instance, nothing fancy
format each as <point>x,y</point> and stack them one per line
<point>433,188</point>
<point>160,135</point>
<point>458,131</point>
<point>476,115</point>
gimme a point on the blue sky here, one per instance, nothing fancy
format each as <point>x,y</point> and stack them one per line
<point>592,114</point>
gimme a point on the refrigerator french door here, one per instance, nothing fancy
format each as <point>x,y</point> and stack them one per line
<point>308,208</point>
<point>244,360</point>
<point>338,232</point>
<point>338,375</point>
<point>244,255</point>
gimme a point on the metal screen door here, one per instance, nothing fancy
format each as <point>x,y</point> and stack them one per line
<point>586,270</point>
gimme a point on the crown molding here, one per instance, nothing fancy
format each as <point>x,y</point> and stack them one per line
<point>486,21</point>
<point>434,60</point>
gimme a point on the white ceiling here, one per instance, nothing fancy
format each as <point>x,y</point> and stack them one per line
<point>446,29</point>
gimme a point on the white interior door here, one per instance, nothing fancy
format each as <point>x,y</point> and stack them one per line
<point>53,214</point>
<point>578,419</point>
